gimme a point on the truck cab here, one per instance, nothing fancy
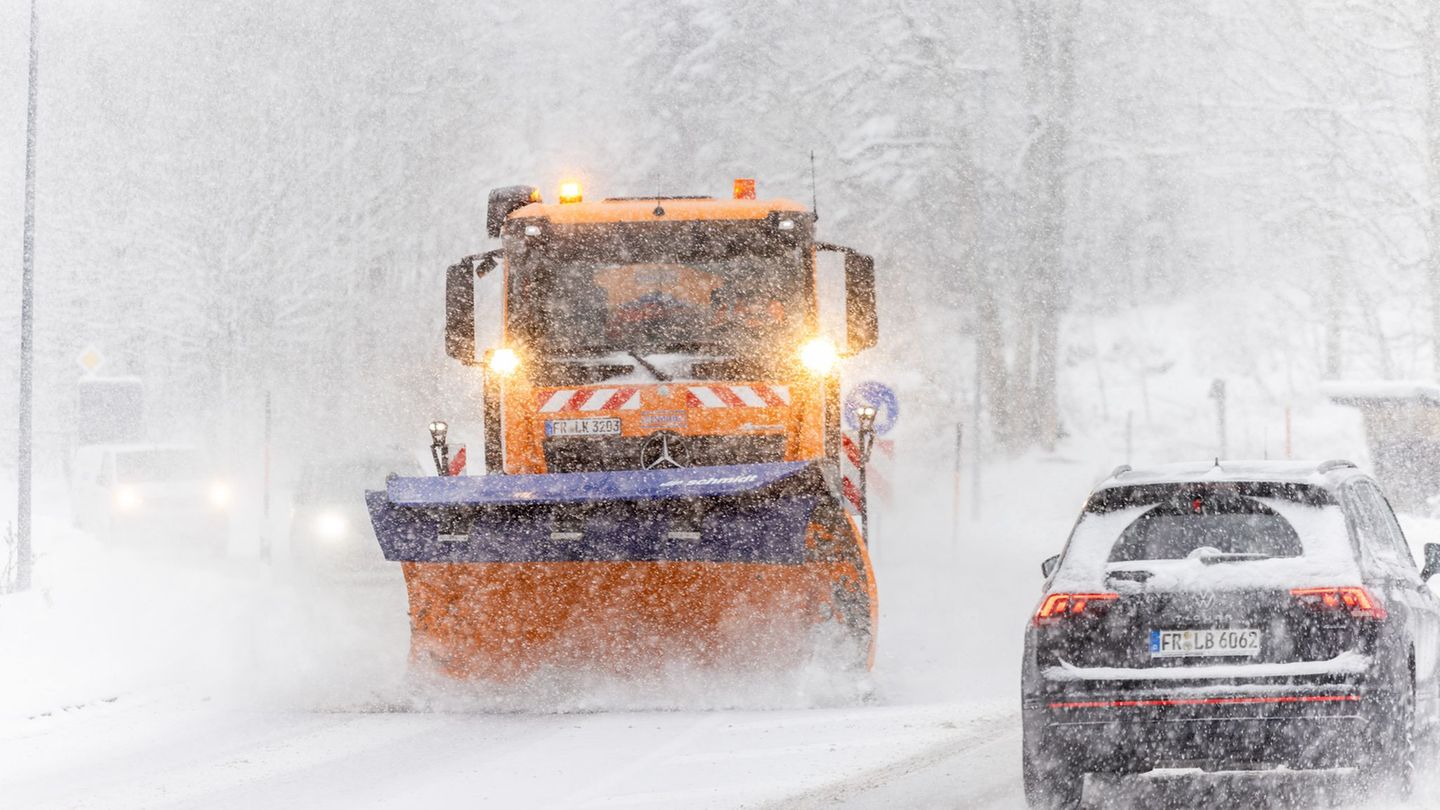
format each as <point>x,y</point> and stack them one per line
<point>659,331</point>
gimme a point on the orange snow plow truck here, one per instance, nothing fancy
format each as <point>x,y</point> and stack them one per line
<point>662,436</point>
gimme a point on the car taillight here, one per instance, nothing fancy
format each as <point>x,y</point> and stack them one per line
<point>1355,601</point>
<point>1057,606</point>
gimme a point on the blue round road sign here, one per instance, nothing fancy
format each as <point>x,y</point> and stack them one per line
<point>878,396</point>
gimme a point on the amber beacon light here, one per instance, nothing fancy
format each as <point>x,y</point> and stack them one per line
<point>744,188</point>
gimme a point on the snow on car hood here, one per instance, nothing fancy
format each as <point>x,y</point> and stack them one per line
<point>1327,560</point>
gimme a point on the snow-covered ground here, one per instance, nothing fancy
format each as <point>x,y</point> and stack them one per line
<point>139,679</point>
<point>144,678</point>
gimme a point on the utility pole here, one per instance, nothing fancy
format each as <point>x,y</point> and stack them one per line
<point>27,323</point>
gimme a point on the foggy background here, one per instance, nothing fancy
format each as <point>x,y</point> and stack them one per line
<point>241,199</point>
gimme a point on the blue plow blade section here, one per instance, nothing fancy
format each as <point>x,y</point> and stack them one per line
<point>740,513</point>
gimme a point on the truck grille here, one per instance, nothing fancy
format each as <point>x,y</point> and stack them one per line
<point>623,453</point>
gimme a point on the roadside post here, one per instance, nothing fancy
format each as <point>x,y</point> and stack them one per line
<point>1129,436</point>
<point>956,489</point>
<point>265,487</point>
<point>866,415</point>
<point>1289,436</point>
<point>871,409</point>
<point>1217,393</point>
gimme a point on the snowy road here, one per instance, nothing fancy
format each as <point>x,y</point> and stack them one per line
<point>134,679</point>
<point>195,756</point>
<point>143,680</point>
<point>138,752</point>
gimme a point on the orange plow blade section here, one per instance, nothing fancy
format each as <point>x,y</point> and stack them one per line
<point>741,567</point>
<point>501,621</point>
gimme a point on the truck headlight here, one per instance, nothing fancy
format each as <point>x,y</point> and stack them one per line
<point>504,361</point>
<point>819,355</point>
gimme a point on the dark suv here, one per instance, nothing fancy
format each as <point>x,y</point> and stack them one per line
<point>1230,616</point>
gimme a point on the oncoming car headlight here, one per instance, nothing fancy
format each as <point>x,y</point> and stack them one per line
<point>330,525</point>
<point>219,495</point>
<point>127,499</point>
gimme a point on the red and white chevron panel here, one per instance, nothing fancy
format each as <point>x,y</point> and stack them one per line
<point>754,395</point>
<point>583,400</point>
<point>882,458</point>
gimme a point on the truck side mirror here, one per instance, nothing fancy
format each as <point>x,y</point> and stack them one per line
<point>460,304</point>
<point>1048,567</point>
<point>862,323</point>
<point>1432,561</point>
<point>460,312</point>
<point>504,202</point>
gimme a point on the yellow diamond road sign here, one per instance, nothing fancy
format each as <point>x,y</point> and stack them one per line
<point>90,360</point>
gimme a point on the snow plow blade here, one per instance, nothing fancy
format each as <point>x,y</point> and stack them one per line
<point>621,570</point>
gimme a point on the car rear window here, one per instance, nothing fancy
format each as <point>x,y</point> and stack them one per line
<point>1174,531</point>
<point>1248,535</point>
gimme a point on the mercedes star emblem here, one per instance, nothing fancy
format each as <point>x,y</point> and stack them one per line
<point>664,449</point>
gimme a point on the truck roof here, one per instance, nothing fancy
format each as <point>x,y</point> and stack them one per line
<point>642,209</point>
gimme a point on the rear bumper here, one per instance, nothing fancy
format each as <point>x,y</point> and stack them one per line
<point>1321,726</point>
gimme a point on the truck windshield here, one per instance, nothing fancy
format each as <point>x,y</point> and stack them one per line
<point>713,288</point>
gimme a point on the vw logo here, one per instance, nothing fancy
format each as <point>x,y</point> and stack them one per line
<point>664,450</point>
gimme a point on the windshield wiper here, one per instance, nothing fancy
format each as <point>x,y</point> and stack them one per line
<point>650,367</point>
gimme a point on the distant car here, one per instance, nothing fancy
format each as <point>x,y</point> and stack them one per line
<point>1231,616</point>
<point>330,533</point>
<point>151,492</point>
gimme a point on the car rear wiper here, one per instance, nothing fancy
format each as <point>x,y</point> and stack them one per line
<point>650,367</point>
<point>1233,556</point>
<point>1130,574</point>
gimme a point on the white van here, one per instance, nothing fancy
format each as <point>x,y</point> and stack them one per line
<point>151,492</point>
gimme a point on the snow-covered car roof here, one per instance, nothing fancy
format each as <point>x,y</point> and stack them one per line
<point>1358,392</point>
<point>1316,473</point>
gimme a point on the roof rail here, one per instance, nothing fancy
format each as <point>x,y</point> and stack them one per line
<point>1333,464</point>
<point>659,197</point>
<point>1119,471</point>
